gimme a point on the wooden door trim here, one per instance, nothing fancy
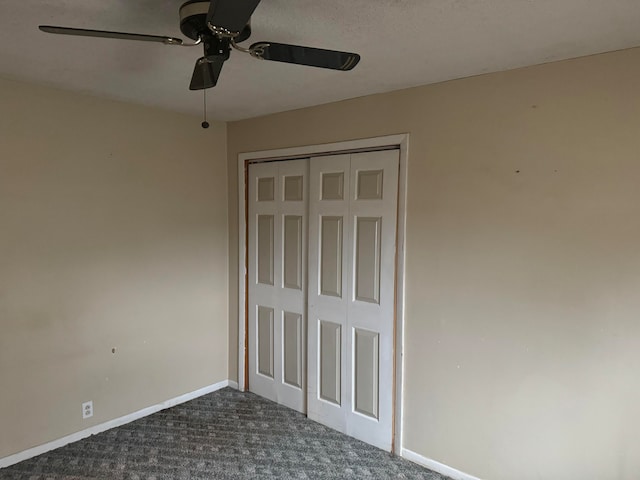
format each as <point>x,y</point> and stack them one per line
<point>400,141</point>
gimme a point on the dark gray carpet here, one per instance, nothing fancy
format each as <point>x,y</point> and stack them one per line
<point>223,435</point>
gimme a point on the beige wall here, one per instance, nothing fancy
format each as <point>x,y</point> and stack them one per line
<point>522,335</point>
<point>113,233</point>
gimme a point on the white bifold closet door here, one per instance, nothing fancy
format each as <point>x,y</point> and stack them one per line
<point>277,273</point>
<point>352,250</point>
<point>323,343</point>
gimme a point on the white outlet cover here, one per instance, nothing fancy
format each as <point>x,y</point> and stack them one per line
<point>87,409</point>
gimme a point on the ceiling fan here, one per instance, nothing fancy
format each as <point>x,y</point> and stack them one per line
<point>220,25</point>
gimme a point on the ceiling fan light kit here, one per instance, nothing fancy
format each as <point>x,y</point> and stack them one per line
<point>220,25</point>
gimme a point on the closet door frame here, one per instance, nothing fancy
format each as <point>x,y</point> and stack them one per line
<point>400,141</point>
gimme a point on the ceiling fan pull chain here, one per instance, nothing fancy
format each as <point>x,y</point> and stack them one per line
<point>205,124</point>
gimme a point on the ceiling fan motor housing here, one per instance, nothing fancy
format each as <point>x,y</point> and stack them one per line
<point>193,18</point>
<point>193,21</point>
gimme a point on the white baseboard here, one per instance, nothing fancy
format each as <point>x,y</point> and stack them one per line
<point>438,467</point>
<point>74,437</point>
<point>233,384</point>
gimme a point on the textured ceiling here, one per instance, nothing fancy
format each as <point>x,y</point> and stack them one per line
<point>403,43</point>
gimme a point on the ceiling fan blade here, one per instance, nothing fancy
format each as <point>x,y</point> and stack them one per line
<point>231,15</point>
<point>313,57</point>
<point>107,34</point>
<point>206,73</point>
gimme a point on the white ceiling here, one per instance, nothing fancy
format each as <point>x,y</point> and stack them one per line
<point>403,43</point>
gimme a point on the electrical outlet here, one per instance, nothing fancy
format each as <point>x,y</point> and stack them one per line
<point>87,409</point>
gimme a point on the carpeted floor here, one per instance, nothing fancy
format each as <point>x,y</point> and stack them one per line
<point>224,435</point>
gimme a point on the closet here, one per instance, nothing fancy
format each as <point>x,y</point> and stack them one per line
<point>322,235</point>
